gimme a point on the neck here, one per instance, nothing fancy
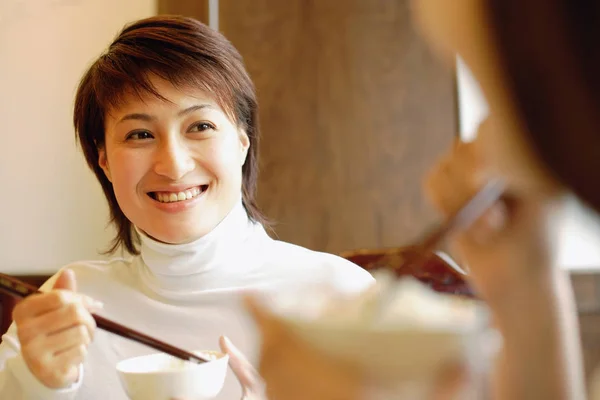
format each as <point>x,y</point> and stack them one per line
<point>204,264</point>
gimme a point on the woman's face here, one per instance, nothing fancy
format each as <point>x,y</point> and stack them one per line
<point>463,27</point>
<point>176,165</point>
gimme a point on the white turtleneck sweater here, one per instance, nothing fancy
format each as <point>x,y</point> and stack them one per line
<point>188,295</point>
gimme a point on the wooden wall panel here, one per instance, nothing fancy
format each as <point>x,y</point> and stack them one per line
<point>189,8</point>
<point>354,110</point>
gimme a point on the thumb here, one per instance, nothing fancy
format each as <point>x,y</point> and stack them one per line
<point>241,367</point>
<point>66,280</point>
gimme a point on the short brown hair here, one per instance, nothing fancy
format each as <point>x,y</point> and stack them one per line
<point>550,56</point>
<point>186,53</point>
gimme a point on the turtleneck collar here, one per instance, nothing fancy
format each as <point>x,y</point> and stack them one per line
<point>208,263</point>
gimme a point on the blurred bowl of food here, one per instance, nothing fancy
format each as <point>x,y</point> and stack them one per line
<point>400,332</point>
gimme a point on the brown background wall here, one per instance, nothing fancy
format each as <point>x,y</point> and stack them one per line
<point>190,8</point>
<point>354,109</point>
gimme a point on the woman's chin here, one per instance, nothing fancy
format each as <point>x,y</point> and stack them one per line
<point>177,236</point>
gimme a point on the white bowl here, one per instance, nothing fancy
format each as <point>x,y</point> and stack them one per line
<point>160,376</point>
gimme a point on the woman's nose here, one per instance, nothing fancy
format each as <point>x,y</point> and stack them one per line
<point>173,160</point>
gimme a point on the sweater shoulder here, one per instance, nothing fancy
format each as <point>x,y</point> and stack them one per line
<point>91,274</point>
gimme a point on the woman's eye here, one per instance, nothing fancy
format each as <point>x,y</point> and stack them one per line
<point>201,127</point>
<point>139,135</point>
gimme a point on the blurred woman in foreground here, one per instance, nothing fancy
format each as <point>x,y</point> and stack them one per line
<point>537,63</point>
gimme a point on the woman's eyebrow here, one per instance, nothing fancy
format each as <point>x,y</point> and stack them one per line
<point>148,118</point>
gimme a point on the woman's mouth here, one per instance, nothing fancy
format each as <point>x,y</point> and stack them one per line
<point>174,197</point>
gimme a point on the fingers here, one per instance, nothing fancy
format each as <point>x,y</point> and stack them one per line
<point>63,293</point>
<point>490,224</point>
<point>67,316</point>
<point>453,182</point>
<point>66,280</point>
<point>43,303</point>
<point>247,375</point>
<point>55,330</point>
<point>243,370</point>
<point>56,371</point>
<point>456,178</point>
<point>64,341</point>
<point>74,355</point>
<point>57,375</point>
<point>60,343</point>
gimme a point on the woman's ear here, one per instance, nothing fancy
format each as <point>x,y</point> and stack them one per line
<point>103,163</point>
<point>244,146</point>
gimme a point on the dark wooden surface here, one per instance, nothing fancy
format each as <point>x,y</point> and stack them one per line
<point>354,110</point>
<point>436,270</point>
<point>7,302</point>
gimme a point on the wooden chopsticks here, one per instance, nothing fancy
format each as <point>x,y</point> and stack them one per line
<point>19,289</point>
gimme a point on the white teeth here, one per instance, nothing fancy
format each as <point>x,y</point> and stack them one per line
<point>179,196</point>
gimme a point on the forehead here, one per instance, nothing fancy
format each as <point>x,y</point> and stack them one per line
<point>168,97</point>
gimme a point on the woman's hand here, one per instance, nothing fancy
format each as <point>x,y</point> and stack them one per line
<point>253,387</point>
<point>54,330</point>
<point>293,370</point>
<point>514,244</point>
<point>511,256</point>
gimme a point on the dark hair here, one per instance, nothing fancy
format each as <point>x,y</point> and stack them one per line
<point>186,53</point>
<point>550,55</point>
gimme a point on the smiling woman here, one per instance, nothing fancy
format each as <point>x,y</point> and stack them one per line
<point>187,84</point>
<point>167,119</point>
<point>174,164</point>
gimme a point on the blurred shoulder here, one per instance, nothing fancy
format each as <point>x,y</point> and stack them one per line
<point>321,267</point>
